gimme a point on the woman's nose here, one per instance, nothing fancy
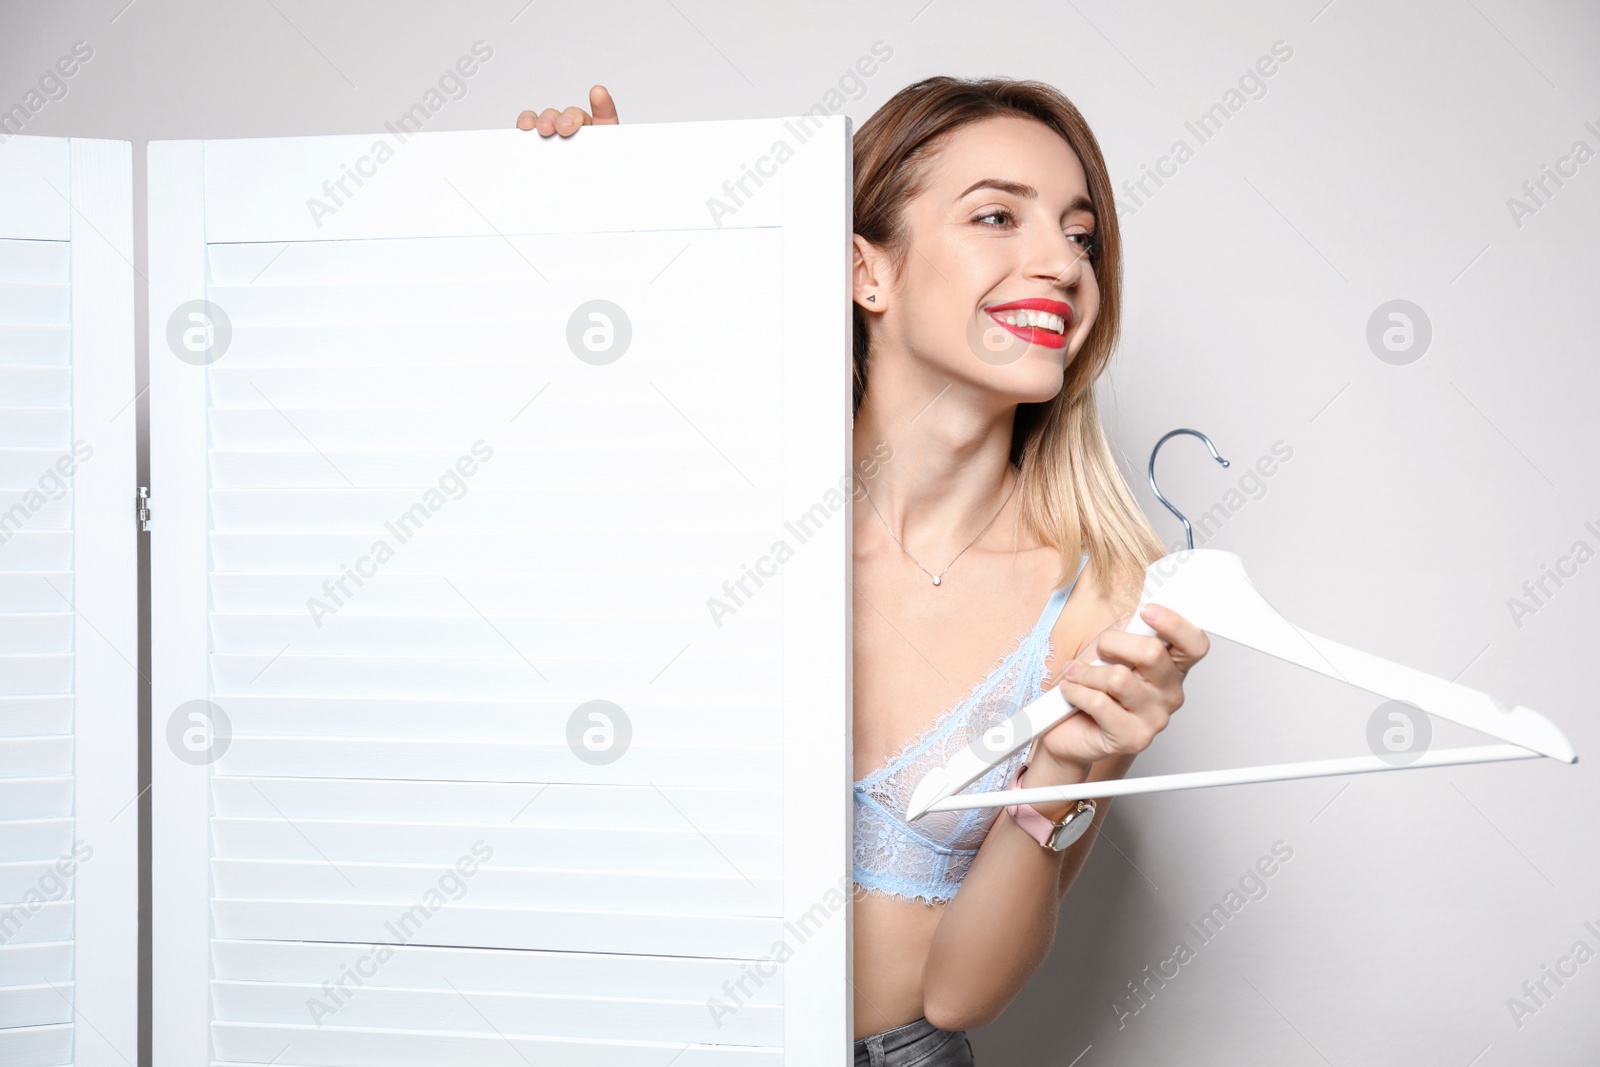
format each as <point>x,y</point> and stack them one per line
<point>1063,263</point>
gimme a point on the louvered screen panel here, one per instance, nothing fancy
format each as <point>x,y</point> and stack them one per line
<point>68,639</point>
<point>464,766</point>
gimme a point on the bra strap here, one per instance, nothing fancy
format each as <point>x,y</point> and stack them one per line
<point>1057,603</point>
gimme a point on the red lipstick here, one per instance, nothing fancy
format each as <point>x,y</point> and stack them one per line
<point>1035,334</point>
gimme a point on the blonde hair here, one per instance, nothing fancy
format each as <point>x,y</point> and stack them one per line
<point>1071,493</point>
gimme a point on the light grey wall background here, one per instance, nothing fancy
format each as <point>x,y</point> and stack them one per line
<point>1424,495</point>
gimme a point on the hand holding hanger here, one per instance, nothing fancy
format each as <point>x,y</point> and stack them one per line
<point>1211,589</point>
<point>1125,686</point>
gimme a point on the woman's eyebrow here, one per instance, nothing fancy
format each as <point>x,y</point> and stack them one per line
<point>1022,189</point>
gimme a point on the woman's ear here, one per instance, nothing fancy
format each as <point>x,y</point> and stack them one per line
<point>868,276</point>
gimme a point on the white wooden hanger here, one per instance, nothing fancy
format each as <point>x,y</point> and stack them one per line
<point>1209,587</point>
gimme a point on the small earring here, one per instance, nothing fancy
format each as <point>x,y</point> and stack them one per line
<point>874,297</point>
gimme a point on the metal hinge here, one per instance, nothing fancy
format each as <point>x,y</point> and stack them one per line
<point>144,507</point>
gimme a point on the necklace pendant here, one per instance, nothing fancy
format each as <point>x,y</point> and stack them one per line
<point>935,579</point>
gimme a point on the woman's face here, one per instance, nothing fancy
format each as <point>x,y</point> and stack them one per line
<point>977,247</point>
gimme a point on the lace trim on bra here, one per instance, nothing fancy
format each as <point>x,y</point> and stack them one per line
<point>926,735</point>
<point>880,867</point>
<point>928,861</point>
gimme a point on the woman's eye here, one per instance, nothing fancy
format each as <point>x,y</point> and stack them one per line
<point>1087,241</point>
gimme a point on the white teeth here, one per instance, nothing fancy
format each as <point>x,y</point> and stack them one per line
<point>1042,319</point>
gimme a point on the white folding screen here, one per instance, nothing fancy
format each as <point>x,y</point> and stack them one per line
<point>500,597</point>
<point>68,605</point>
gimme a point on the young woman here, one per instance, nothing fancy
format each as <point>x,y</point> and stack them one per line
<point>987,269</point>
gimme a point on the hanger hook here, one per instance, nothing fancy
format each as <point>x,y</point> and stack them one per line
<point>1188,532</point>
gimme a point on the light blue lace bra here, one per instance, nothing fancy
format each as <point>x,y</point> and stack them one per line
<point>929,860</point>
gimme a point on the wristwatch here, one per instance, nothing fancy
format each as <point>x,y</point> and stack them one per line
<point>1056,836</point>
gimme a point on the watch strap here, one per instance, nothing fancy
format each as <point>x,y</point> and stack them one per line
<point>1027,816</point>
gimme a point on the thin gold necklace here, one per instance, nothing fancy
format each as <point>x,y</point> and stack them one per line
<point>936,577</point>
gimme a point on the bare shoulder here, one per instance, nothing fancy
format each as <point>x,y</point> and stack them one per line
<point>1097,601</point>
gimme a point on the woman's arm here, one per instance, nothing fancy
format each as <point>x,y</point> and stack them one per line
<point>1077,853</point>
<point>998,929</point>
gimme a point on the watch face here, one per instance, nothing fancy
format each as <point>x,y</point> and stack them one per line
<point>1072,827</point>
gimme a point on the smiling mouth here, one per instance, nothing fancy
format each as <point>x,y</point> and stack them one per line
<point>1035,327</point>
